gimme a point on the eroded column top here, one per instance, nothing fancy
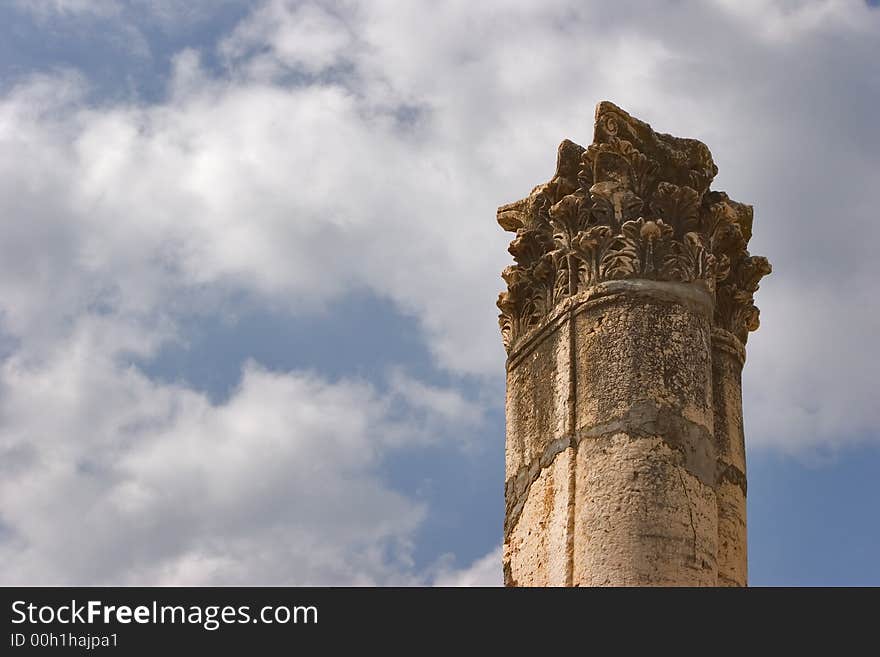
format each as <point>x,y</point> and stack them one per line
<point>634,204</point>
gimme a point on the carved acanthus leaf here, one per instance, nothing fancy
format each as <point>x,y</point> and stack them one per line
<point>735,310</point>
<point>677,206</point>
<point>571,214</point>
<point>589,248</point>
<point>528,247</point>
<point>689,260</point>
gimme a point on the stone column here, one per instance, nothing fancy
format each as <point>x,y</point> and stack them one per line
<point>624,455</point>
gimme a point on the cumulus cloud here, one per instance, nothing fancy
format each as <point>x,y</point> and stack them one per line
<point>281,38</point>
<point>109,477</point>
<point>358,146</point>
<point>485,571</point>
<point>361,145</point>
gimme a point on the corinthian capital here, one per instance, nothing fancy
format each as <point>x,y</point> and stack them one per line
<point>633,204</point>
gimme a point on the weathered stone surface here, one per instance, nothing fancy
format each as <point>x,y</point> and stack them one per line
<point>728,356</point>
<point>624,318</point>
<point>538,406</point>
<point>538,549</point>
<point>644,348</point>
<point>641,519</point>
<point>732,545</point>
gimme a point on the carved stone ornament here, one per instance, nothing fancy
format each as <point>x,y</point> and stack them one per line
<point>634,204</point>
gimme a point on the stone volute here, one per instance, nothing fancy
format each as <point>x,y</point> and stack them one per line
<point>625,321</point>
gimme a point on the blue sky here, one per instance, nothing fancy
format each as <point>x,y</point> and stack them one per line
<point>249,264</point>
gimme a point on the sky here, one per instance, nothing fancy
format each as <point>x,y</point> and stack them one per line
<point>249,260</point>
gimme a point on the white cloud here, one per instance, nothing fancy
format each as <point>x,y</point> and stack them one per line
<point>485,571</point>
<point>445,405</point>
<point>812,387</point>
<point>790,20</point>
<point>112,478</point>
<point>279,37</point>
<point>363,146</point>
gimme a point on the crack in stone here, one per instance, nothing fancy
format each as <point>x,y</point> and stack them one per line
<point>644,420</point>
<point>572,465</point>
<point>690,513</point>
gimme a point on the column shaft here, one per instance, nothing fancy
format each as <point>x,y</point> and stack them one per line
<point>728,356</point>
